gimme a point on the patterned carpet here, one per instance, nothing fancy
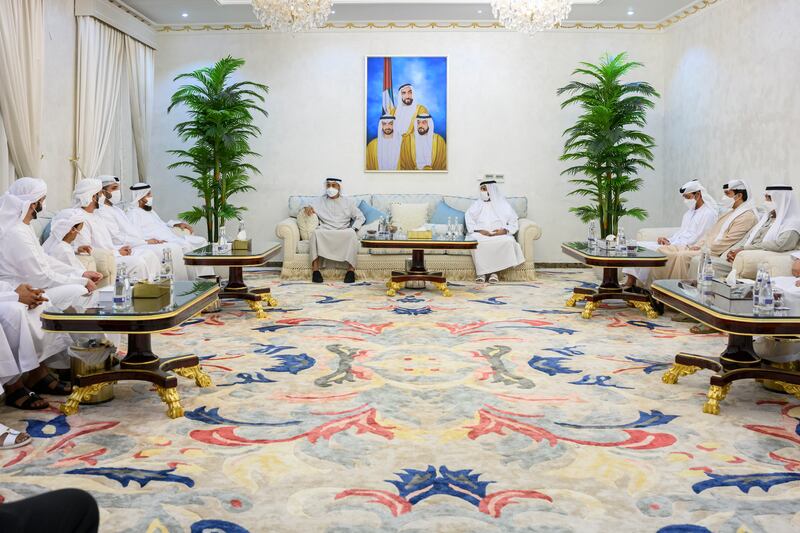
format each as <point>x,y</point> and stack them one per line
<point>495,410</point>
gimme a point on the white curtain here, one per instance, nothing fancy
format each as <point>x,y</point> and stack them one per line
<point>21,64</point>
<point>141,72</point>
<point>101,67</point>
<point>7,172</point>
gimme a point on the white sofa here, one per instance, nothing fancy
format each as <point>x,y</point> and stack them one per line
<point>746,262</point>
<point>378,263</point>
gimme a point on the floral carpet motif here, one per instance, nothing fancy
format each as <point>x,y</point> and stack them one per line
<point>495,410</point>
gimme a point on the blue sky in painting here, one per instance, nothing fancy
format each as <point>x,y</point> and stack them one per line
<point>428,75</point>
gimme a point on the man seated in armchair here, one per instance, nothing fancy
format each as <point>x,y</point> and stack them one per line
<point>336,236</point>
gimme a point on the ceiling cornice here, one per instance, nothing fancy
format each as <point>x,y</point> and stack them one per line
<point>670,21</point>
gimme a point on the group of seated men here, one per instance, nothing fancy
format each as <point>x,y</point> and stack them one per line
<point>336,220</point>
<point>85,246</point>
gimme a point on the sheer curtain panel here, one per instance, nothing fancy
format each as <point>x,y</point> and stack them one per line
<point>21,64</point>
<point>141,72</point>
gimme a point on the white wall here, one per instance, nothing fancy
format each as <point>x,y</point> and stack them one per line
<point>732,105</point>
<point>503,111</point>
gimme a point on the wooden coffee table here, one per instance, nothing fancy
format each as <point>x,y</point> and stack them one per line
<point>418,271</point>
<point>236,260</point>
<point>739,359</point>
<point>610,289</point>
<point>143,318</point>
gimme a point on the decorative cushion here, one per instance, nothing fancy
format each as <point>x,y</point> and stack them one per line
<point>409,216</point>
<point>444,211</point>
<point>384,202</point>
<point>519,203</point>
<point>306,224</point>
<point>370,213</point>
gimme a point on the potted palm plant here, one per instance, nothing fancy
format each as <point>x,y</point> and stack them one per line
<point>607,143</point>
<point>220,126</point>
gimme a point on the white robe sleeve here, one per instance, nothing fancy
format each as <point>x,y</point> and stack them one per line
<point>469,219</point>
<point>511,224</point>
<point>356,215</point>
<point>8,292</point>
<point>40,270</point>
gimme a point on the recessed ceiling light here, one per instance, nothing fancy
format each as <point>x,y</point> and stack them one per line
<point>333,11</point>
<point>480,12</point>
<point>184,15</point>
<point>631,12</point>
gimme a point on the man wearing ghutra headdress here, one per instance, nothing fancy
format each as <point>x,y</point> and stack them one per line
<point>493,222</point>
<point>336,236</point>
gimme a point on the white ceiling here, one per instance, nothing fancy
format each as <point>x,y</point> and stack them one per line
<point>239,11</point>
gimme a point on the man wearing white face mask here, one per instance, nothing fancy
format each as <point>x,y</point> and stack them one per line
<point>123,231</point>
<point>698,219</point>
<point>777,231</point>
<point>152,226</point>
<point>335,238</point>
<point>493,222</point>
<point>738,219</point>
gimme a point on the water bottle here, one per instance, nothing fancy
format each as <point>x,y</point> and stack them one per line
<point>166,265</point>
<point>450,231</point>
<point>222,242</point>
<point>622,245</point>
<point>381,226</point>
<point>591,239</point>
<point>707,279</point>
<point>766,297</point>
<point>757,289</point>
<point>120,294</point>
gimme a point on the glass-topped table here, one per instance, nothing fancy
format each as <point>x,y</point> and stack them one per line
<point>139,320</point>
<point>733,316</point>
<point>610,289</point>
<point>417,271</point>
<point>236,260</point>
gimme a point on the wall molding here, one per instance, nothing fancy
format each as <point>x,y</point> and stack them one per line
<point>673,19</point>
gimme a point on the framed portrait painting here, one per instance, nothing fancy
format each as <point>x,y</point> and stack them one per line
<point>406,114</point>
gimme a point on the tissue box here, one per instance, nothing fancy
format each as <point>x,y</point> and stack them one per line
<point>146,289</point>
<point>742,291</point>
<point>151,305</point>
<point>420,234</point>
<point>243,245</point>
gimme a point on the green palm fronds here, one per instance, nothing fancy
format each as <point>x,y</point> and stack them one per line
<point>220,124</point>
<point>606,144</point>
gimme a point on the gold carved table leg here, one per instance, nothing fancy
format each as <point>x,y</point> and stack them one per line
<point>170,397</point>
<point>589,309</point>
<point>574,299</point>
<point>80,394</point>
<point>716,394</point>
<point>255,305</point>
<point>443,288</point>
<point>392,288</point>
<point>677,371</point>
<point>200,377</point>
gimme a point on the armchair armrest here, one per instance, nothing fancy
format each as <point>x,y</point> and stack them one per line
<point>289,233</point>
<point>747,261</point>
<point>652,234</point>
<point>529,231</point>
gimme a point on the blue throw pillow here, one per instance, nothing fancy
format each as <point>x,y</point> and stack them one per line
<point>444,211</point>
<point>370,213</point>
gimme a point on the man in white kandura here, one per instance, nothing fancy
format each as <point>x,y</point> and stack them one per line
<point>64,230</point>
<point>126,232</point>
<point>140,263</point>
<point>778,230</point>
<point>701,214</point>
<point>493,222</point>
<point>336,236</point>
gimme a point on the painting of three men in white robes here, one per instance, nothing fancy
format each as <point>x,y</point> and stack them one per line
<point>406,110</point>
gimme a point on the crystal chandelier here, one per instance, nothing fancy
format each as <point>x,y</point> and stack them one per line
<point>531,16</point>
<point>292,15</point>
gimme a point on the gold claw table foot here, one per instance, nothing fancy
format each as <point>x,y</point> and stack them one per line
<point>270,301</point>
<point>80,394</point>
<point>589,309</point>
<point>715,395</point>
<point>574,299</point>
<point>256,306</point>
<point>792,389</point>
<point>392,287</point>
<point>200,377</point>
<point>646,308</point>
<point>443,288</point>
<point>170,397</point>
<point>677,371</point>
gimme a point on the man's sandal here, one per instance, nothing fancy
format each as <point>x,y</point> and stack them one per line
<point>30,398</point>
<point>9,438</point>
<point>45,386</point>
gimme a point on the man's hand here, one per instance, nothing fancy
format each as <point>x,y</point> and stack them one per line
<point>85,249</point>
<point>155,241</point>
<point>125,251</point>
<point>308,210</point>
<point>184,226</point>
<point>90,286</point>
<point>663,241</point>
<point>732,255</point>
<point>29,296</point>
<point>501,231</point>
<point>92,275</point>
<point>484,232</point>
<point>694,248</point>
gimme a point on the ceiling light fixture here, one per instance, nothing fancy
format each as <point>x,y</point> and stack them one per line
<point>184,15</point>
<point>531,16</point>
<point>292,15</point>
<point>631,12</point>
